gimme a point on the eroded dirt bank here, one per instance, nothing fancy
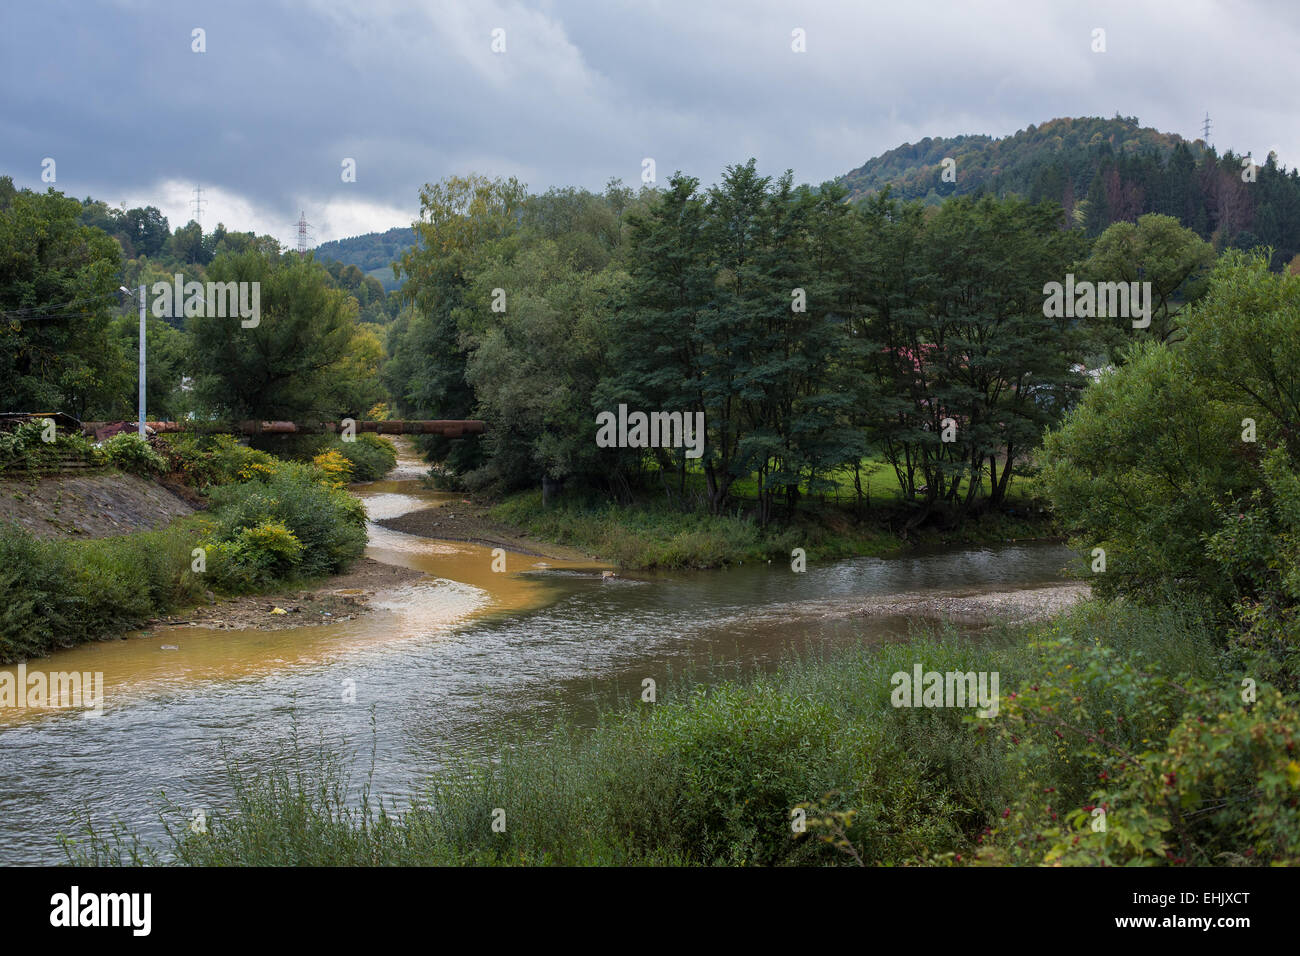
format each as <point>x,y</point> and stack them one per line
<point>95,504</point>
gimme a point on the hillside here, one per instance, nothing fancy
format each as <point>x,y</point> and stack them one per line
<point>1103,171</point>
<point>1012,163</point>
<point>1099,170</point>
<point>372,252</point>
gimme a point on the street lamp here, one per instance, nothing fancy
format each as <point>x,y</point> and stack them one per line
<point>127,292</point>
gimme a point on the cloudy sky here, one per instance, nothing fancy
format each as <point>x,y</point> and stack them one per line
<point>584,91</point>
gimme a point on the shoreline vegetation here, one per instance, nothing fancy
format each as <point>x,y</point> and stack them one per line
<point>1105,705</point>
<point>267,526</point>
<point>86,585</point>
<point>648,536</point>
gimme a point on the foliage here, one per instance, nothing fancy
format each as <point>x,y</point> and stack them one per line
<point>286,518</point>
<point>59,593</point>
<point>268,521</point>
<point>337,469</point>
<point>58,287</point>
<point>1104,171</point>
<point>1109,705</point>
<point>1174,260</point>
<point>24,447</point>
<point>370,456</point>
<point>1148,768</point>
<point>1182,464</point>
<point>201,460</point>
<point>127,451</point>
<point>306,358</point>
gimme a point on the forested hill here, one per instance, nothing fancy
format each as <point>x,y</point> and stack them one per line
<point>1013,163</point>
<point>1103,171</point>
<point>372,253</point>
<point>1100,170</point>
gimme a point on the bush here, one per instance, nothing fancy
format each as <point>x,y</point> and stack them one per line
<point>60,593</point>
<point>255,557</point>
<point>129,452</point>
<point>739,758</point>
<point>202,461</point>
<point>24,448</point>
<point>371,456</point>
<point>253,523</point>
<point>336,468</point>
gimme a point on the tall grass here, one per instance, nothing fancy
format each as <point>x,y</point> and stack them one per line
<point>654,535</point>
<point>59,593</point>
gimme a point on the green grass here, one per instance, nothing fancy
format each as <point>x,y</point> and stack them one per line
<point>59,593</point>
<point>650,534</point>
<point>710,775</point>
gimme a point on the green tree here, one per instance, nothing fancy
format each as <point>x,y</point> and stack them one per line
<point>1156,250</point>
<point>305,359</point>
<point>425,374</point>
<point>1182,463</point>
<point>58,292</point>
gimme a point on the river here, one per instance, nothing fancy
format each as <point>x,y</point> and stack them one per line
<point>457,662</point>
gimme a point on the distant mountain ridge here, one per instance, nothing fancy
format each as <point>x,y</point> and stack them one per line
<point>1100,170</point>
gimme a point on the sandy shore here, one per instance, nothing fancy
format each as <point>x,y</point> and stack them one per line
<point>467,521</point>
<point>338,598</point>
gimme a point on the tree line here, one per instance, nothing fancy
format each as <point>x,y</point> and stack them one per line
<point>69,339</point>
<point>810,332</point>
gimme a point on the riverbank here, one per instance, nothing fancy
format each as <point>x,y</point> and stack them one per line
<point>819,763</point>
<point>474,523</point>
<point>88,557</point>
<point>334,600</point>
<point>648,536</point>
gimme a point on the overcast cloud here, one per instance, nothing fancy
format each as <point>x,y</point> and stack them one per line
<point>585,90</point>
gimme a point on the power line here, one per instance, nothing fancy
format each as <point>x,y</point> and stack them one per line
<point>55,310</point>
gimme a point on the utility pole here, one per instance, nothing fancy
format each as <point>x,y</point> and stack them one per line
<point>125,291</point>
<point>142,314</point>
<point>1205,128</point>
